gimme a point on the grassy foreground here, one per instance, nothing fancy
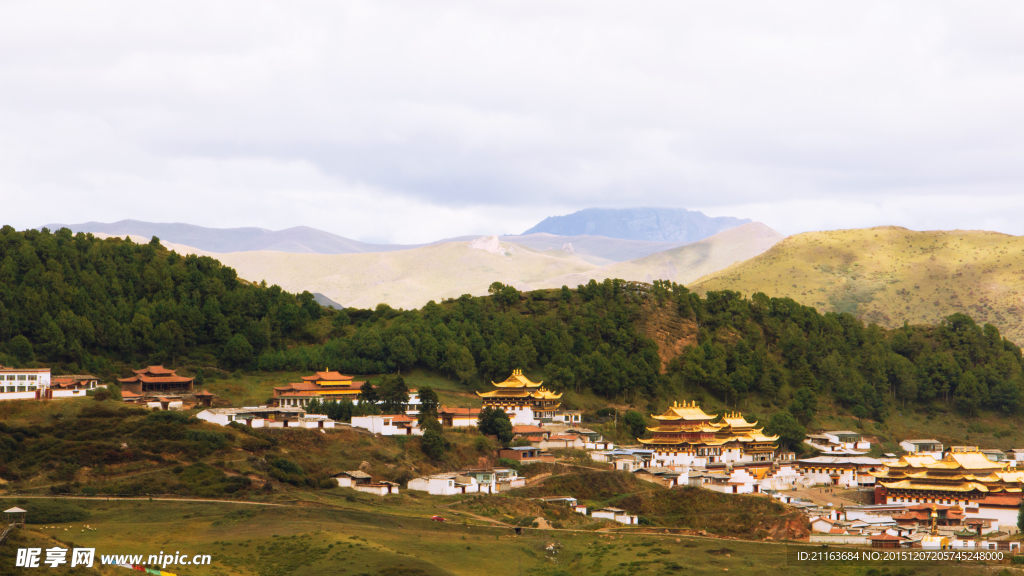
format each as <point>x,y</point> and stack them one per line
<point>281,540</point>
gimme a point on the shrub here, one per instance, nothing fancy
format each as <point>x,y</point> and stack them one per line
<point>51,511</point>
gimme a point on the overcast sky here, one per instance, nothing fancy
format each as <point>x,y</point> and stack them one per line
<point>412,121</point>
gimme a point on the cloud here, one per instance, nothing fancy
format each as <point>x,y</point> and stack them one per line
<point>410,121</point>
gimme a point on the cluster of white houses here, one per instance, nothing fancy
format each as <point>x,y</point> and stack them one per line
<point>960,490</point>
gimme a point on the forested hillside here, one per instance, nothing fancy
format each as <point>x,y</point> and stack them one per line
<point>106,305</point>
<point>580,339</point>
<point>790,353</point>
<point>94,305</point>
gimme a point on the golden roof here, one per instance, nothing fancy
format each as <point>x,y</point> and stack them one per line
<point>541,394</point>
<point>973,461</point>
<point>504,394</point>
<point>966,461</point>
<point>686,411</point>
<point>517,380</point>
<point>709,427</point>
<point>915,485</point>
<point>736,420</point>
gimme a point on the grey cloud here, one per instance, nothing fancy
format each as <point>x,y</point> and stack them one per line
<point>470,116</point>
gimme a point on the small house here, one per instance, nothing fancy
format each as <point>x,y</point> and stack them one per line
<point>923,447</point>
<point>444,484</point>
<point>352,478</point>
<point>389,424</point>
<point>615,514</point>
<point>526,454</point>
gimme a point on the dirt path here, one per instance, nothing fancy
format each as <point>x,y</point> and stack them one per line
<point>542,523</point>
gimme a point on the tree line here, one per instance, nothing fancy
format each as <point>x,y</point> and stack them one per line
<point>96,305</point>
<point>790,353</point>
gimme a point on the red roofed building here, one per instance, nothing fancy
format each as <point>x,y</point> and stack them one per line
<point>888,541</point>
<point>72,385</point>
<point>324,386</point>
<point>919,515</point>
<point>156,379</point>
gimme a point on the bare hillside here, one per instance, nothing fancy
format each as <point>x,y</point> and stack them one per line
<point>411,278</point>
<point>684,264</point>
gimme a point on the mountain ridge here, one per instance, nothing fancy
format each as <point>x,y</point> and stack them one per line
<point>652,224</point>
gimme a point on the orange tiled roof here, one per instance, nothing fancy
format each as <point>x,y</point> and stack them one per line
<point>526,429</point>
<point>163,379</point>
<point>155,370</point>
<point>68,381</point>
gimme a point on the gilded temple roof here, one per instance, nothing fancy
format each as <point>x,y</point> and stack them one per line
<point>685,411</point>
<point>517,380</point>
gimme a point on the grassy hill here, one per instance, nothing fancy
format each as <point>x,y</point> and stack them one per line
<point>891,275</point>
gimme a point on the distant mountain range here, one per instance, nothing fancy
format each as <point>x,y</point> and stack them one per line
<point>411,278</point>
<point>300,239</point>
<point>598,235</point>
<point>651,224</point>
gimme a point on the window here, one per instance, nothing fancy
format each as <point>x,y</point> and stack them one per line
<point>21,377</point>
<point>31,388</point>
<point>21,388</point>
<point>31,376</point>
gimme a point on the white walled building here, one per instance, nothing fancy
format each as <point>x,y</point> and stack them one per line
<point>920,447</point>
<point>445,484</point>
<point>846,471</point>
<point>388,425</point>
<point>266,417</point>
<point>24,383</point>
<point>615,514</point>
<point>72,386</point>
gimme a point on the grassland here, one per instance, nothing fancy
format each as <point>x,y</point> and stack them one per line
<point>891,275</point>
<point>313,541</point>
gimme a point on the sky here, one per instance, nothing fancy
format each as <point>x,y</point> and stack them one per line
<point>411,121</point>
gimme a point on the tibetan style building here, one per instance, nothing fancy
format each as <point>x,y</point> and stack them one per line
<point>526,402</point>
<point>686,435</point>
<point>154,380</point>
<point>964,477</point>
<point>323,386</point>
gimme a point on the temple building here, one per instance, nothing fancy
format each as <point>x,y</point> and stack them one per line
<point>527,402</point>
<point>964,477</point>
<point>324,386</point>
<point>686,435</point>
<point>156,380</point>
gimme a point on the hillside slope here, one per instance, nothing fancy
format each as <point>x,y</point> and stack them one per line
<point>402,279</point>
<point>889,275</point>
<point>685,263</point>
<point>411,278</point>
